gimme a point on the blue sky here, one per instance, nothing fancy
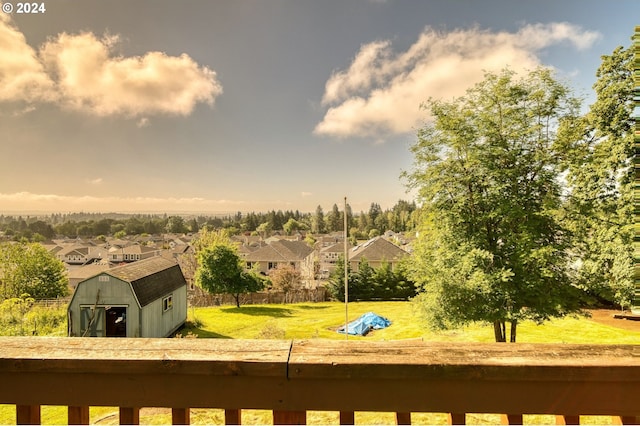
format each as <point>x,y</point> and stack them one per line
<point>252,105</point>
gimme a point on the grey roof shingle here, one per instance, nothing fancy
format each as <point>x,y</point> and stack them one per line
<point>151,278</point>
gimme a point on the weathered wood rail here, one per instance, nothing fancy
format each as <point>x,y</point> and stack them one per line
<point>292,377</point>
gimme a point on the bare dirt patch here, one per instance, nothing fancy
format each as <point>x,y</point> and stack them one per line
<point>605,316</point>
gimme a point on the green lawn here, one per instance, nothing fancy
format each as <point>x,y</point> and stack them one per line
<point>320,320</point>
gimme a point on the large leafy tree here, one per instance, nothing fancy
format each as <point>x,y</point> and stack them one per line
<point>491,245</point>
<point>285,278</point>
<point>600,178</point>
<point>29,269</point>
<point>220,270</point>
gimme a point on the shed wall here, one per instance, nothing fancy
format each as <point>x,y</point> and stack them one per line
<point>112,293</point>
<point>156,323</point>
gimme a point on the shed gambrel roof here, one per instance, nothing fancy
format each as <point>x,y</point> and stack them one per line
<point>151,278</point>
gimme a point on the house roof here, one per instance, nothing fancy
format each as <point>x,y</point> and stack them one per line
<point>298,249</point>
<point>377,249</point>
<point>133,249</point>
<point>336,248</point>
<point>150,278</point>
<point>89,270</point>
<point>138,249</point>
<point>52,248</point>
<point>82,251</point>
<point>281,251</point>
<point>264,254</point>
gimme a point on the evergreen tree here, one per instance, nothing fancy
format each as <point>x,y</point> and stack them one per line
<point>333,219</point>
<point>318,221</point>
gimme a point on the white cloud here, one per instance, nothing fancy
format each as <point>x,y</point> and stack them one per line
<point>363,72</point>
<point>539,36</point>
<point>81,72</point>
<point>22,75</point>
<point>381,91</point>
<point>306,194</point>
<point>96,181</point>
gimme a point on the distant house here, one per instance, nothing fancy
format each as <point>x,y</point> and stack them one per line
<point>86,271</point>
<point>147,298</point>
<point>377,251</point>
<point>283,252</point>
<point>76,254</point>
<point>329,256</point>
<point>132,253</point>
<point>327,240</point>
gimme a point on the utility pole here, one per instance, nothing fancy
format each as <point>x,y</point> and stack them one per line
<point>346,274</point>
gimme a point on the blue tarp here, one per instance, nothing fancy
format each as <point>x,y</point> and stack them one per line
<point>365,324</point>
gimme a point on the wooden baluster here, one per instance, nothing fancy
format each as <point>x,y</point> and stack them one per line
<point>129,416</point>
<point>233,416</point>
<point>457,419</point>
<point>78,415</point>
<point>180,416</point>
<point>28,414</point>
<point>403,418</point>
<point>347,418</point>
<point>289,417</point>
<point>568,420</point>
<point>625,420</point>
<point>511,419</point>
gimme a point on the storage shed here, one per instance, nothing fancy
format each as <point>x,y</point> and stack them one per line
<point>147,298</point>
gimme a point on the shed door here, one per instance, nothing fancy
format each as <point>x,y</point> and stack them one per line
<point>116,321</point>
<point>91,322</point>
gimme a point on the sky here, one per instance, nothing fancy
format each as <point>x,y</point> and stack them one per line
<point>211,106</point>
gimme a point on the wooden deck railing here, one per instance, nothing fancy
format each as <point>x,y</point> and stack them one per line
<point>292,377</point>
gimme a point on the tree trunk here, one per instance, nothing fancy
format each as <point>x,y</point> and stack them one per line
<point>514,324</point>
<point>237,297</point>
<point>499,331</point>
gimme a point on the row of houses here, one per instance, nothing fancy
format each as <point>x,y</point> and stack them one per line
<point>315,264</point>
<point>147,297</point>
<point>81,252</point>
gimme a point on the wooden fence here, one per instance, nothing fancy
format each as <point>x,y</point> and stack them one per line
<point>53,303</point>
<point>291,377</point>
<point>199,298</point>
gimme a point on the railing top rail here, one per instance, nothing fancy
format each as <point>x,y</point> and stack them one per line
<point>267,355</point>
<point>406,352</point>
<point>144,355</point>
<point>322,375</point>
<point>489,361</point>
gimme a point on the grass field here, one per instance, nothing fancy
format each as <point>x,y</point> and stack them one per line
<point>320,320</point>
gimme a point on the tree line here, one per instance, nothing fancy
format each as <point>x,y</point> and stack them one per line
<point>368,283</point>
<point>400,218</point>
